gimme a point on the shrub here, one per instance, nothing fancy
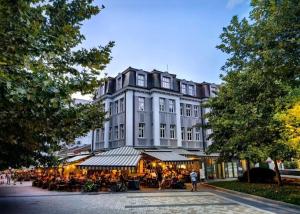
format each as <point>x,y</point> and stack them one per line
<point>52,186</point>
<point>259,175</point>
<point>39,183</point>
<point>45,184</point>
<point>290,165</point>
<point>34,183</point>
<point>89,186</point>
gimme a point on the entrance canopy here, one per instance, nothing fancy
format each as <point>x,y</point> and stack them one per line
<point>166,156</point>
<point>121,158</point>
<point>202,154</point>
<point>183,152</point>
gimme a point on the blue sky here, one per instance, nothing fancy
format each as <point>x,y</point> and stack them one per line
<point>156,34</point>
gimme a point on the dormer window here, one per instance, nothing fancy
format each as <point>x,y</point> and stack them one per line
<point>183,88</point>
<point>191,90</point>
<point>119,83</point>
<point>166,82</point>
<point>141,80</point>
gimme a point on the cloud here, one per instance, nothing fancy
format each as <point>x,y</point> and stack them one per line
<point>233,3</point>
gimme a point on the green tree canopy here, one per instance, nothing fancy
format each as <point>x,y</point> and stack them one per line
<point>41,66</point>
<point>262,71</point>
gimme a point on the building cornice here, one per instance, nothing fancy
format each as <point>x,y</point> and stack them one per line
<point>148,91</point>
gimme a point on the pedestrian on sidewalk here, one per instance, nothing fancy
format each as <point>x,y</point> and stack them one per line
<point>2,177</point>
<point>159,178</point>
<point>20,178</point>
<point>193,176</point>
<point>14,177</point>
<point>8,178</point>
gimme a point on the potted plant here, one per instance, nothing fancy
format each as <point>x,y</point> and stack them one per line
<point>89,186</point>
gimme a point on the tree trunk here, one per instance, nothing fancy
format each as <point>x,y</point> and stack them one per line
<point>248,171</point>
<point>278,176</point>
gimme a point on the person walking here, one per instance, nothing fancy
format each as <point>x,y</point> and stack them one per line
<point>2,177</point>
<point>14,178</point>
<point>159,178</point>
<point>193,176</point>
<point>8,178</point>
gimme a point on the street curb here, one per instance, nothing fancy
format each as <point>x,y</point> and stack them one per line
<point>254,197</point>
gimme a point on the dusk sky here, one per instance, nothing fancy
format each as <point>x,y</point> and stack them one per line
<point>180,35</point>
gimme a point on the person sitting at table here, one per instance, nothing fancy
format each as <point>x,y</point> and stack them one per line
<point>173,181</point>
<point>72,180</point>
<point>113,178</point>
<point>153,174</point>
<point>122,181</point>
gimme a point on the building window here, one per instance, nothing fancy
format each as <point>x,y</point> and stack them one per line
<point>141,130</point>
<point>122,131</point>
<point>181,109</point>
<point>110,108</point>
<point>110,133</point>
<point>141,80</point>
<point>172,131</point>
<point>188,111</point>
<point>141,106</point>
<point>117,107</point>
<point>116,132</point>
<point>162,130</point>
<point>189,133</point>
<point>119,83</point>
<point>122,105</point>
<point>198,134</point>
<point>183,88</point>
<point>102,134</point>
<point>196,111</point>
<point>97,135</point>
<point>191,90</point>
<point>182,133</point>
<point>166,82</point>
<point>161,104</point>
<point>171,105</point>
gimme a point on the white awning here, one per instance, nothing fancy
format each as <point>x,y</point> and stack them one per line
<point>166,156</point>
<point>202,154</point>
<point>76,158</point>
<point>182,151</point>
<point>124,157</point>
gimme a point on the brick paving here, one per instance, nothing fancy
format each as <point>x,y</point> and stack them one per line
<point>25,199</point>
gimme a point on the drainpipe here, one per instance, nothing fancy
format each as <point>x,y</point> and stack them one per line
<point>203,139</point>
<point>133,115</point>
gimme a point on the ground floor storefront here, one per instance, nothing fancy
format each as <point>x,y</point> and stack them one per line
<point>127,168</point>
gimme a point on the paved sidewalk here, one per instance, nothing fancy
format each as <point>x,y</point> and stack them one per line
<point>25,199</point>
